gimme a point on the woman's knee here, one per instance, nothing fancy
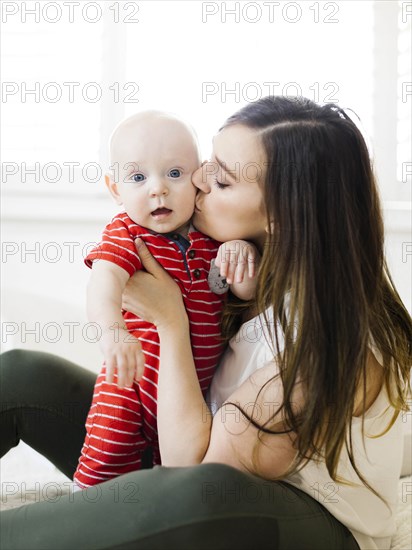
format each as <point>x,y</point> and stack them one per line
<point>12,357</point>
<point>12,363</point>
<point>16,363</point>
<point>23,370</point>
<point>19,371</point>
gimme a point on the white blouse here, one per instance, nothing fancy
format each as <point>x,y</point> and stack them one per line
<point>370,520</point>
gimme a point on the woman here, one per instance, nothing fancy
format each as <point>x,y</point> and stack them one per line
<point>310,389</point>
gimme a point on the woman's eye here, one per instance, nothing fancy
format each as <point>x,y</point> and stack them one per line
<point>220,185</point>
<point>138,178</point>
<point>175,173</point>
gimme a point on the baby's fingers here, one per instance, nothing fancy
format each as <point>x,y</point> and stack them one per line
<point>251,263</point>
<point>232,262</point>
<point>238,266</point>
<point>221,261</point>
<point>226,260</point>
<point>240,272</point>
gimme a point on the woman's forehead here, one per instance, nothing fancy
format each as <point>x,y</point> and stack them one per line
<point>238,149</point>
<point>240,144</point>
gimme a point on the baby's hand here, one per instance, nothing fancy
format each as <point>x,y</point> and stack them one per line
<point>237,259</point>
<point>123,352</point>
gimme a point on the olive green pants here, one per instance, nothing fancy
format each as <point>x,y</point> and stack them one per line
<point>45,401</point>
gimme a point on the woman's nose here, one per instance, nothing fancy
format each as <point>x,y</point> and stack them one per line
<point>200,178</point>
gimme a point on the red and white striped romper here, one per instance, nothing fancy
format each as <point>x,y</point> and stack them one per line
<point>122,422</point>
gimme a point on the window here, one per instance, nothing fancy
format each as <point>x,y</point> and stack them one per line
<point>404,86</point>
<point>71,73</point>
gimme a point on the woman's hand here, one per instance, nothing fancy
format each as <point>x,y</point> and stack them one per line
<point>152,294</point>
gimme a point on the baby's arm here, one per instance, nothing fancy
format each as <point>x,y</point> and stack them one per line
<point>104,298</point>
<point>238,262</point>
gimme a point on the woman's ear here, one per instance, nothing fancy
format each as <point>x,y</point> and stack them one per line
<point>112,187</point>
<point>270,228</point>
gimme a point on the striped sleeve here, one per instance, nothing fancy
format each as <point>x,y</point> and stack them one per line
<point>117,246</point>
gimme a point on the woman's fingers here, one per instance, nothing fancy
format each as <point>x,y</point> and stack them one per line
<point>110,368</point>
<point>149,263</point>
<point>139,366</point>
<point>121,372</point>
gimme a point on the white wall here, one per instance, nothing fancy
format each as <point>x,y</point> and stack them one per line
<point>43,291</point>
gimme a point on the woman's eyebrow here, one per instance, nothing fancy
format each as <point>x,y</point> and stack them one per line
<point>224,167</point>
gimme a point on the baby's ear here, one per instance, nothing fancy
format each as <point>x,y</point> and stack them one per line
<point>112,187</point>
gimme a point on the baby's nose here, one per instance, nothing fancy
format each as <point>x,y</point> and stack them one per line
<point>158,187</point>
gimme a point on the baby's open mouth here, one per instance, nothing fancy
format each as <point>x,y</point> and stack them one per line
<point>161,211</point>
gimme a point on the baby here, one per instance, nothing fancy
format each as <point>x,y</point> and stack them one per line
<point>153,157</point>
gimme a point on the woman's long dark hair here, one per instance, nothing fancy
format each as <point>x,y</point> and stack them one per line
<point>325,251</point>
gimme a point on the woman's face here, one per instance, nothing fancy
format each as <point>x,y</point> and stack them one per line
<point>229,204</point>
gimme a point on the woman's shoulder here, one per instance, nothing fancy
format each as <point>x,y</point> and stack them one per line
<point>374,384</point>
<point>236,439</point>
<point>247,352</point>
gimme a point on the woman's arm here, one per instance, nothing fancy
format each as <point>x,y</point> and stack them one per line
<point>183,418</point>
<point>187,432</point>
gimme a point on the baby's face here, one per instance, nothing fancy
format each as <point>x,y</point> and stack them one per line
<point>155,157</point>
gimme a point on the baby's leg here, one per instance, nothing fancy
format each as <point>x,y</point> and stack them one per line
<point>114,441</point>
<point>148,393</point>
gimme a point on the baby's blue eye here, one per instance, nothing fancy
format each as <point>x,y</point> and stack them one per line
<point>138,177</point>
<point>175,173</point>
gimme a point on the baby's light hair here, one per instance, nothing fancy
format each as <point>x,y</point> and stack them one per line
<point>154,113</point>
